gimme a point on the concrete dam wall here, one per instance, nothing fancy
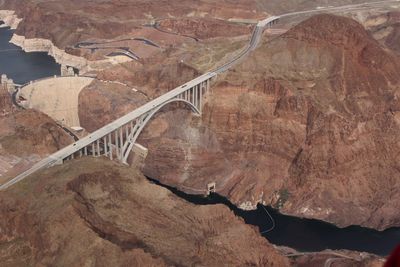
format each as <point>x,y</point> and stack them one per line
<point>56,97</point>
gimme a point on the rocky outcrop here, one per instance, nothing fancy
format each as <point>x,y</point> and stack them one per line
<point>100,213</point>
<point>26,136</point>
<point>31,132</point>
<point>10,18</point>
<point>387,29</point>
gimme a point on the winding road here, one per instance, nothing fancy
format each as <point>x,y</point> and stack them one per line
<point>125,50</point>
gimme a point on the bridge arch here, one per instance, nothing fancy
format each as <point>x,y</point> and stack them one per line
<point>129,143</point>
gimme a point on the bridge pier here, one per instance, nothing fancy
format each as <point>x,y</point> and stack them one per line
<point>139,155</point>
<point>211,188</point>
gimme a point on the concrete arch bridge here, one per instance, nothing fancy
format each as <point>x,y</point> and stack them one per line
<point>117,139</point>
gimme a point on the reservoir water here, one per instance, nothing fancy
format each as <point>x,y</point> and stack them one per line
<point>23,67</point>
<point>301,234</point>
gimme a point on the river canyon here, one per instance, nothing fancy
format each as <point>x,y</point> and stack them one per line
<point>303,130</point>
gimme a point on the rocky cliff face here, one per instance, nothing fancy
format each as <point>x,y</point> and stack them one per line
<point>25,137</point>
<point>98,213</point>
<point>352,142</point>
<point>308,123</point>
<point>29,131</point>
<point>386,29</point>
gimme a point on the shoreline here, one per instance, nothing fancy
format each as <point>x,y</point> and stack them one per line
<point>84,65</point>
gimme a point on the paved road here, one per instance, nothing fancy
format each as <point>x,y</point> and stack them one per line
<point>337,256</point>
<point>366,5</point>
<point>90,45</point>
<point>157,27</point>
<point>328,262</point>
<point>255,39</point>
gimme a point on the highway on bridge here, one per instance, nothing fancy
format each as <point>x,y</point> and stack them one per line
<point>62,154</point>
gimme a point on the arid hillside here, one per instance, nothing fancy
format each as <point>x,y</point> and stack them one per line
<point>166,23</point>
<point>25,137</point>
<point>100,29</point>
<point>99,213</point>
<point>308,123</point>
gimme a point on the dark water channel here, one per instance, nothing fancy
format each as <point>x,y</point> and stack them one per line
<point>306,235</point>
<point>23,67</point>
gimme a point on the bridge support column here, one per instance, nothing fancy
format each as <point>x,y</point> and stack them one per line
<point>110,145</point>
<point>139,155</point>
<point>121,143</point>
<point>192,95</point>
<point>116,144</point>
<point>195,96</point>
<point>105,145</point>
<point>211,188</point>
<point>201,97</point>
<point>98,148</point>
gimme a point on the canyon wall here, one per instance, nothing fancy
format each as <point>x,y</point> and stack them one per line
<point>309,123</point>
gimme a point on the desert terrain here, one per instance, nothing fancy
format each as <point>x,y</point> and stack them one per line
<point>308,123</point>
